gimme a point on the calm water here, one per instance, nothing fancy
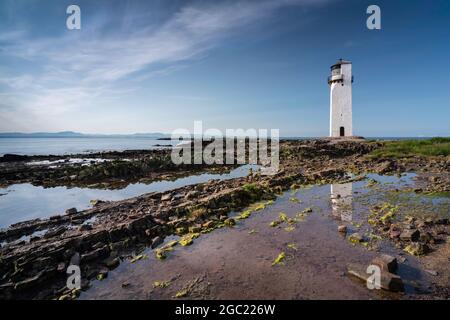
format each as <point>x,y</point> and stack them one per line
<point>22,202</point>
<point>57,146</point>
<point>236,263</point>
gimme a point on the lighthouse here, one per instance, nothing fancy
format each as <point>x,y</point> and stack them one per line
<point>340,82</point>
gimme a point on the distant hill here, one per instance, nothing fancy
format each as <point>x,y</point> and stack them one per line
<point>71,134</point>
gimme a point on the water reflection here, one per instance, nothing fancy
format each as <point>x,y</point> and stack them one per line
<point>22,202</point>
<point>342,201</point>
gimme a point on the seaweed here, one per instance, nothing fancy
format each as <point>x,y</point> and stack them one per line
<point>161,284</point>
<point>138,257</point>
<point>279,259</point>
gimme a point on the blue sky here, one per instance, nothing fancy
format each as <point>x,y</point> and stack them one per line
<point>147,66</point>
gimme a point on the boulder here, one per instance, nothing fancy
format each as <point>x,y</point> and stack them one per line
<point>388,281</point>
<point>410,235</point>
<point>386,263</point>
<point>71,211</point>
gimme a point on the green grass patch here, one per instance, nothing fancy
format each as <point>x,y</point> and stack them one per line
<point>408,148</point>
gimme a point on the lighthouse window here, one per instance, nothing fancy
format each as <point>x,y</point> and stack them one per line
<point>336,72</point>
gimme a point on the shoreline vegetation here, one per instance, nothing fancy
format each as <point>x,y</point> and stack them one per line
<point>36,268</point>
<point>409,148</point>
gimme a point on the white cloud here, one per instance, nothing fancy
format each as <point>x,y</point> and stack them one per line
<point>79,67</point>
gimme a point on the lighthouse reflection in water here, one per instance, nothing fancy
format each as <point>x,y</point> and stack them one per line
<point>342,201</point>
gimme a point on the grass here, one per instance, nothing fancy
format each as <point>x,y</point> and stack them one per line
<point>407,148</point>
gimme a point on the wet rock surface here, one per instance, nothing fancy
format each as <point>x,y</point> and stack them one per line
<point>34,269</point>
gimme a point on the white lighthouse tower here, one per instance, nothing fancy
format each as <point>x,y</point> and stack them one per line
<point>340,82</point>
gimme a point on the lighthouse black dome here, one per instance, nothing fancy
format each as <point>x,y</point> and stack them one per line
<point>339,62</point>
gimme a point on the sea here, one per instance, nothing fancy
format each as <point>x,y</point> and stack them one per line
<point>75,145</point>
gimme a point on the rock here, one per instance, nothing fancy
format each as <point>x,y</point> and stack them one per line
<point>95,254</point>
<point>434,179</point>
<point>156,241</point>
<point>410,235</point>
<point>388,281</point>
<point>355,238</point>
<point>209,224</point>
<point>417,249</point>
<point>420,223</point>
<point>166,197</point>
<point>102,274</point>
<point>75,260</point>
<point>148,232</point>
<point>13,157</point>
<point>180,230</point>
<point>55,232</point>
<point>342,229</point>
<point>394,231</point>
<point>386,263</point>
<point>61,267</point>
<point>432,272</point>
<point>77,221</point>
<point>443,221</point>
<point>97,245</point>
<point>119,245</point>
<point>85,284</point>
<point>195,229</point>
<point>385,167</point>
<point>32,239</point>
<point>191,194</point>
<point>112,263</point>
<point>426,237</point>
<point>96,202</point>
<point>85,227</point>
<point>71,211</point>
<point>29,282</point>
<point>229,222</point>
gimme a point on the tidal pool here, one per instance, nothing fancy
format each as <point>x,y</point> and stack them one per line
<point>238,262</point>
<point>21,202</point>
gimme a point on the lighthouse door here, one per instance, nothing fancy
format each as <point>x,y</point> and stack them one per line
<point>341,131</point>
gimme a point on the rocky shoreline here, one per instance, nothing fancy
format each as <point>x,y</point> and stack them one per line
<point>102,170</point>
<point>98,239</point>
